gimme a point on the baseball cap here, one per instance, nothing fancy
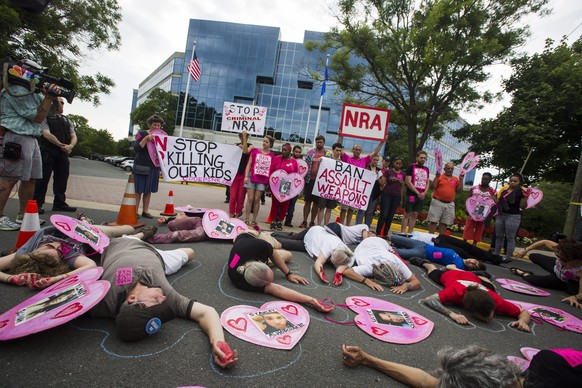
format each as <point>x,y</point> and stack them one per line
<point>386,158</point>
<point>135,323</point>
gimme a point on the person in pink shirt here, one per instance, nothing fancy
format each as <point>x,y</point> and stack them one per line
<point>257,177</point>
<point>473,229</point>
<point>288,164</point>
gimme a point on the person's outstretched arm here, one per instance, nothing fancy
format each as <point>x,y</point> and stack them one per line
<point>353,275</point>
<point>413,377</point>
<point>209,321</point>
<point>434,302</point>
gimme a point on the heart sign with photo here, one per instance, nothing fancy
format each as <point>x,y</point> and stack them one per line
<point>522,288</point>
<point>389,322</point>
<point>303,168</point>
<point>552,315</point>
<point>469,162</point>
<point>278,325</point>
<point>479,207</point>
<point>152,146</point>
<point>285,186</point>
<point>438,159</point>
<point>535,197</point>
<point>56,305</point>
<point>80,231</point>
<point>217,224</point>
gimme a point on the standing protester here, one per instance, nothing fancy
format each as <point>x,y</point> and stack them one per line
<point>237,190</point>
<point>291,210</point>
<point>22,119</point>
<point>313,159</point>
<point>58,142</point>
<point>257,177</point>
<point>474,229</point>
<point>366,215</point>
<point>391,183</point>
<point>286,163</point>
<point>327,205</point>
<point>442,205</point>
<point>417,179</point>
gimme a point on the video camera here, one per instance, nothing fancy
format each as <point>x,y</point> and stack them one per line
<point>31,75</point>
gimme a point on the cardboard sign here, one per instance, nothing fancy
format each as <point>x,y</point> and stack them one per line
<point>303,168</point>
<point>522,288</point>
<point>364,122</point>
<point>54,306</point>
<point>469,162</point>
<point>389,322</point>
<point>152,146</point>
<point>217,224</point>
<point>278,325</point>
<point>552,315</point>
<point>285,186</point>
<point>523,363</point>
<point>80,231</point>
<point>438,159</point>
<point>535,197</point>
<point>238,117</point>
<point>194,160</point>
<point>346,183</point>
<point>479,207</point>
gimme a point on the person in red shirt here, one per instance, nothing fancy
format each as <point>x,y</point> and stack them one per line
<point>475,294</point>
<point>442,205</point>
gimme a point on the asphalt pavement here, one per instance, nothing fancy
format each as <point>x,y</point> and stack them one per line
<point>85,352</point>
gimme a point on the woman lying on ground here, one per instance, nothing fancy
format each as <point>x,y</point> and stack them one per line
<point>564,271</point>
<point>248,270</point>
<point>49,256</point>
<point>182,229</point>
<point>475,366</point>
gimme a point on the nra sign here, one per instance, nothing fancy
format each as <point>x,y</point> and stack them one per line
<point>364,122</point>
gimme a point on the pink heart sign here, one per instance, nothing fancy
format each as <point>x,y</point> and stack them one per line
<point>552,315</point>
<point>217,224</point>
<point>438,158</point>
<point>54,306</point>
<point>522,288</point>
<point>279,324</point>
<point>285,186</point>
<point>152,146</point>
<point>389,322</point>
<point>303,168</point>
<point>80,231</point>
<point>535,197</point>
<point>479,207</point>
<point>523,363</point>
<point>469,162</point>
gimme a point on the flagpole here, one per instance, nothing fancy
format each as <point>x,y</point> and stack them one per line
<point>320,103</point>
<point>187,89</point>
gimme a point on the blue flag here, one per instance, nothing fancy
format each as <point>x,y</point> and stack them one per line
<point>324,82</point>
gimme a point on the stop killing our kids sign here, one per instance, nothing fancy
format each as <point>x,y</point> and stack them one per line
<point>238,117</point>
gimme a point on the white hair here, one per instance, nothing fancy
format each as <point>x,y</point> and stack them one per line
<point>256,274</point>
<point>341,255</point>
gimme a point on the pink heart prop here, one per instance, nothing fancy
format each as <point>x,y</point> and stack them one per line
<point>521,363</point>
<point>217,224</point>
<point>438,157</point>
<point>56,305</point>
<point>378,318</point>
<point>479,207</point>
<point>303,168</point>
<point>534,198</point>
<point>258,332</point>
<point>469,162</point>
<point>522,288</point>
<point>80,232</point>
<point>529,353</point>
<point>276,183</point>
<point>152,147</point>
<point>552,315</point>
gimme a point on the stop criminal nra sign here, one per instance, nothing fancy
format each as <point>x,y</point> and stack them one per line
<point>364,122</point>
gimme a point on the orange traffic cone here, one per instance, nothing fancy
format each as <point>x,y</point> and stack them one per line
<point>169,209</point>
<point>268,219</point>
<point>128,210</point>
<point>30,224</point>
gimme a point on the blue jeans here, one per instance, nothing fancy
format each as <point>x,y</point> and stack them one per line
<point>368,213</point>
<point>506,225</point>
<point>290,210</point>
<point>388,206</point>
<point>407,247</point>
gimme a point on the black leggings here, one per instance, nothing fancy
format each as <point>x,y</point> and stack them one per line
<point>292,242</point>
<point>466,250</point>
<point>435,276</point>
<point>550,281</point>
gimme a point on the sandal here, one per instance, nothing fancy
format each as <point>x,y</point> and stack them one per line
<point>520,272</point>
<point>247,222</point>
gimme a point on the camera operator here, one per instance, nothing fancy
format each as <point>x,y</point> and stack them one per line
<point>22,119</point>
<point>56,144</point>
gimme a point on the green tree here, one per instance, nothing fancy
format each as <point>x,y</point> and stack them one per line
<point>124,148</point>
<point>158,102</point>
<point>90,140</point>
<point>548,216</point>
<point>424,58</point>
<point>543,124</point>
<point>61,36</point>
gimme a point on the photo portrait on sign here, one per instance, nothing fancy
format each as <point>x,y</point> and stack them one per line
<point>285,186</point>
<point>49,303</point>
<point>549,314</point>
<point>87,233</point>
<point>224,227</point>
<point>392,318</point>
<point>272,323</point>
<point>481,210</point>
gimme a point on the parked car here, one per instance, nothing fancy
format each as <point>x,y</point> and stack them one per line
<point>121,160</point>
<point>127,165</point>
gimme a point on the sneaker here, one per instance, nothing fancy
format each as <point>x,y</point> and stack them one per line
<point>303,225</point>
<point>311,224</point>
<point>64,208</point>
<point>6,224</point>
<point>273,225</point>
<point>418,261</point>
<point>149,232</point>
<point>288,224</point>
<point>279,226</point>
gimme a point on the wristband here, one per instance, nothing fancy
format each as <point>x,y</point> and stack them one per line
<point>288,273</point>
<point>364,280</point>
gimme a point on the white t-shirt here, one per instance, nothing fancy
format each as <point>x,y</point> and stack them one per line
<point>353,234</point>
<point>375,250</point>
<point>318,240</point>
<point>424,237</point>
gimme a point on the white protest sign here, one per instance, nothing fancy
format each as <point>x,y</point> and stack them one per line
<point>197,160</point>
<point>364,122</point>
<point>237,117</point>
<point>344,182</point>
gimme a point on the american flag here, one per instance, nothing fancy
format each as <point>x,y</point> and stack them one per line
<point>194,68</point>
